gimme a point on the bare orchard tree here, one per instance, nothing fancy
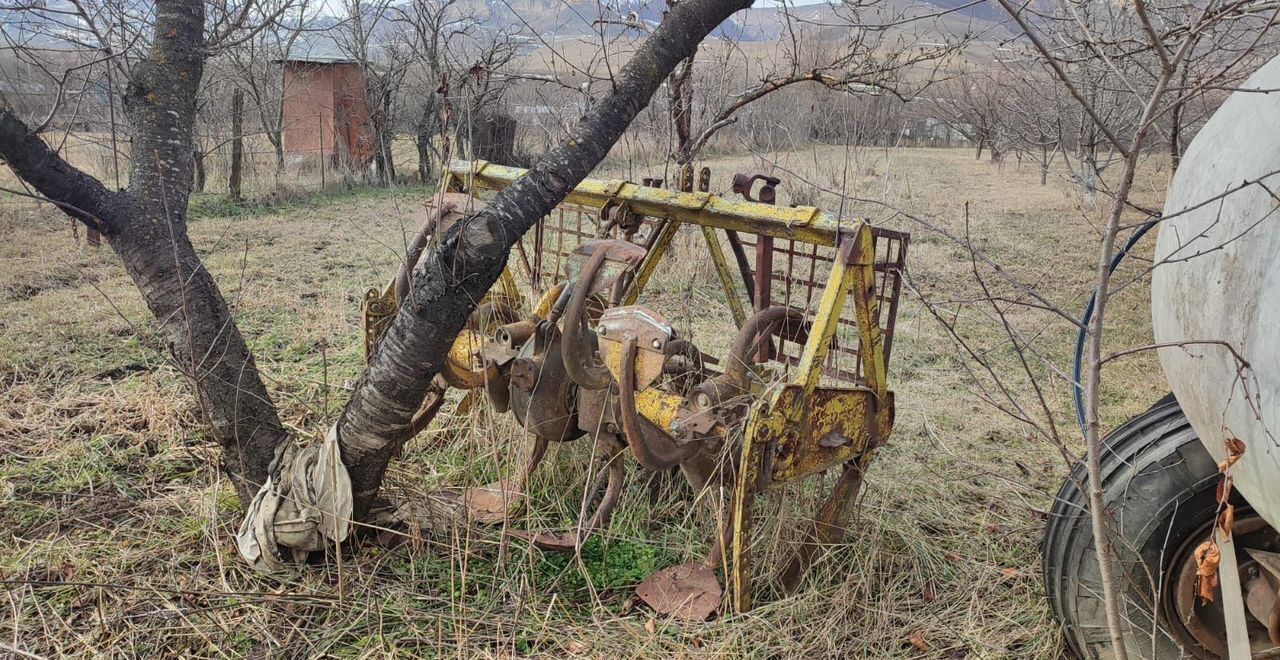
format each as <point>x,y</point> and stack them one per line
<point>477,100</point>
<point>971,104</point>
<point>435,28</point>
<point>1036,112</point>
<point>256,63</point>
<point>458,84</point>
<point>371,37</point>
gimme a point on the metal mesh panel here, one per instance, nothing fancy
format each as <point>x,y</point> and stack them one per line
<point>544,253</point>
<point>798,274</point>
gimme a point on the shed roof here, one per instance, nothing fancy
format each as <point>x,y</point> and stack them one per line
<point>318,48</point>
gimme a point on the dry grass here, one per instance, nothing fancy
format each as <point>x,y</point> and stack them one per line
<point>117,528</point>
<point>93,153</point>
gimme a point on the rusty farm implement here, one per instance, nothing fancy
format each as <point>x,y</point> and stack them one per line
<point>565,344</point>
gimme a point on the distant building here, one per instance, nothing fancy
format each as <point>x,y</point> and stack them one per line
<point>325,115</point>
<point>930,131</point>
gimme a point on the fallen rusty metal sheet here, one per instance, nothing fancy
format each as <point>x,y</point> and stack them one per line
<point>690,592</point>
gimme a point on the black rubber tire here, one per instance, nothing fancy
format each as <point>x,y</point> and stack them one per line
<point>1159,485</point>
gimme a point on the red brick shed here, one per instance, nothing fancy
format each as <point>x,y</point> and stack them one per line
<point>325,116</point>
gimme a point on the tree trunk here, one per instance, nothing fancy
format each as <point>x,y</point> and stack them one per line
<point>680,92</point>
<point>1044,164</point>
<point>197,159</point>
<point>981,142</point>
<point>493,138</point>
<point>203,338</point>
<point>383,166</point>
<point>1175,129</point>
<point>383,161</point>
<point>386,139</point>
<point>388,156</point>
<point>465,263</point>
<point>1092,173</point>
<point>380,164</point>
<point>151,239</point>
<point>146,226</point>
<point>277,142</point>
<point>237,144</point>
<point>428,127</point>
<point>425,169</point>
<point>275,133</point>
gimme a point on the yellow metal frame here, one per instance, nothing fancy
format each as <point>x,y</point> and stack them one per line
<point>796,429</point>
<point>802,428</point>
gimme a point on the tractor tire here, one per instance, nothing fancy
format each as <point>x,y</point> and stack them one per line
<point>1160,491</point>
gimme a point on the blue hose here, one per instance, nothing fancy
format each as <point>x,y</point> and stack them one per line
<point>1088,314</point>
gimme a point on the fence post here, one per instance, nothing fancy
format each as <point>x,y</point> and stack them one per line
<point>322,158</point>
<point>237,144</point>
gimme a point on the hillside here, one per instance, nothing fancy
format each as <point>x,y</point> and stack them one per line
<point>571,19</point>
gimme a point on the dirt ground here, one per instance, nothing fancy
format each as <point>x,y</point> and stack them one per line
<point>115,528</point>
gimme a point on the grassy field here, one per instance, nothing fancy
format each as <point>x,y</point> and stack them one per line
<point>115,528</point>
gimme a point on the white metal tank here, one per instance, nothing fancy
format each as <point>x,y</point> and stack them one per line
<point>1217,278</point>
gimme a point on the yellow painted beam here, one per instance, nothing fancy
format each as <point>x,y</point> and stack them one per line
<point>725,275</point>
<point>830,306</point>
<point>866,308</point>
<point>802,223</point>
<point>651,260</point>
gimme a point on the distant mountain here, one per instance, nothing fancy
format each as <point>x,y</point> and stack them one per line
<point>56,25</point>
<point>564,19</point>
<point>927,20</point>
<point>549,21</point>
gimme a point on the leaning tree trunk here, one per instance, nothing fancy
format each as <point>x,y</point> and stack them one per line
<point>146,226</point>
<point>457,271</point>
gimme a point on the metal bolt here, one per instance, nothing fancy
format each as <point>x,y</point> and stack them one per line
<point>657,343</point>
